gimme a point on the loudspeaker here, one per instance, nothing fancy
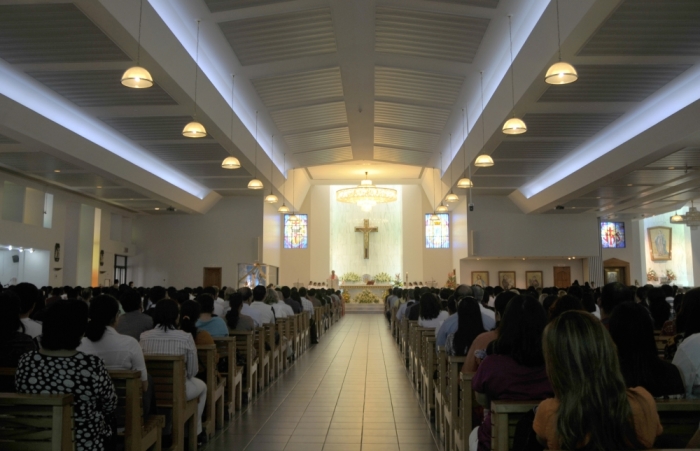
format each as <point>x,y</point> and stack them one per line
<point>15,259</point>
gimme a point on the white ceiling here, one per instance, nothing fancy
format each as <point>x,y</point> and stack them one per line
<point>350,85</point>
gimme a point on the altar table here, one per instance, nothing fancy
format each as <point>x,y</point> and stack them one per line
<point>379,290</point>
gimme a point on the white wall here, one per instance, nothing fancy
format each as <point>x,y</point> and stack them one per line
<point>460,237</point>
<point>173,250</point>
<point>502,230</point>
<point>520,267</point>
<point>413,232</point>
<point>272,229</point>
<point>437,263</point>
<point>318,200</point>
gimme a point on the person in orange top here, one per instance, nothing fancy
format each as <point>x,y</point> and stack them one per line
<point>592,407</point>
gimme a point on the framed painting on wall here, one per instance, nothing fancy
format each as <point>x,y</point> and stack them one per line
<point>534,279</point>
<point>660,244</point>
<point>506,279</point>
<point>480,278</point>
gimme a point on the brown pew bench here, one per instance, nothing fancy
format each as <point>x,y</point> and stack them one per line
<point>214,410</point>
<point>168,374</point>
<point>226,347</point>
<point>140,434</point>
<point>36,422</point>
<point>244,344</point>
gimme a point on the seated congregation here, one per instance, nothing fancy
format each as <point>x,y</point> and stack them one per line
<point>139,369</point>
<point>598,369</point>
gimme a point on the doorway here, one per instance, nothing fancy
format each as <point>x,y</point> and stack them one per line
<point>562,276</point>
<point>212,277</point>
<point>120,265</point>
<point>616,270</point>
<point>614,275</point>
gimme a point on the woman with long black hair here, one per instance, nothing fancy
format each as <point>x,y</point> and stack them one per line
<point>469,326</point>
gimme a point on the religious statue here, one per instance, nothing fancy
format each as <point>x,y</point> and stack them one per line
<point>366,230</point>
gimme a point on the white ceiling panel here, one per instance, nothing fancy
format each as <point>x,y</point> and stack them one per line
<point>216,6</point>
<point>650,177</point>
<point>325,156</point>
<point>575,125</point>
<point>317,86</point>
<point>321,139</point>
<point>410,116</point>
<point>411,86</point>
<point>514,182</point>
<point>511,149</point>
<point>407,139</point>
<point>686,157</point>
<point>35,162</point>
<point>151,128</point>
<point>404,156</point>
<point>325,115</point>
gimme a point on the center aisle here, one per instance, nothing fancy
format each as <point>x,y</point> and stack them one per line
<point>348,393</point>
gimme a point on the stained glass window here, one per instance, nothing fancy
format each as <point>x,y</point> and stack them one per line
<point>296,233</point>
<point>437,236</point>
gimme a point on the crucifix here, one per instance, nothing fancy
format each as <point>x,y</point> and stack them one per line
<point>366,230</point>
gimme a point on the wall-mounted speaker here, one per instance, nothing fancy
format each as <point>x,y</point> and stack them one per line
<point>15,259</point>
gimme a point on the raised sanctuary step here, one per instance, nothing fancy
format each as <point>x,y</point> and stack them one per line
<point>364,308</point>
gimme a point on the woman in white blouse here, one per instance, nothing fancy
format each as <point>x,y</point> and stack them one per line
<point>430,314</point>
<point>118,352</point>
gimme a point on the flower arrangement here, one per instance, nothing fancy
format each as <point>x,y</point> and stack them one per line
<point>670,275</point>
<point>351,277</point>
<point>366,297</point>
<point>382,277</point>
<point>651,276</point>
<point>451,280</point>
<point>397,280</point>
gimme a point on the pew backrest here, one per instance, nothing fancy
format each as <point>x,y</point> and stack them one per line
<point>36,422</point>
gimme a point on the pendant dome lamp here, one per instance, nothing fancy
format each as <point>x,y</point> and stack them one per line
<point>434,218</point>
<point>560,73</point>
<point>483,160</point>
<point>442,208</point>
<point>465,182</point>
<point>255,183</point>
<point>137,77</point>
<point>231,162</point>
<point>284,208</point>
<point>514,125</point>
<point>271,198</point>
<point>452,197</point>
<point>195,129</point>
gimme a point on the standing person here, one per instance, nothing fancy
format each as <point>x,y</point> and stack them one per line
<point>166,339</point>
<point>598,413</point>
<point>58,368</point>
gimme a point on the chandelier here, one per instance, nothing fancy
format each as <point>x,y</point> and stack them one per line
<point>366,195</point>
<point>691,218</point>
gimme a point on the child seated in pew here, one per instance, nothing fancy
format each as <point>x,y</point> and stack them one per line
<point>118,352</point>
<point>60,369</point>
<point>165,339</point>
<point>214,325</point>
<point>592,407</point>
<point>514,366</point>
<point>190,313</point>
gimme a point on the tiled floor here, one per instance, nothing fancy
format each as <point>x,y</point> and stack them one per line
<point>348,393</point>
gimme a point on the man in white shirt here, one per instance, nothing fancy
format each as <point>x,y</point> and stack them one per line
<point>28,294</point>
<point>305,303</point>
<point>265,312</point>
<point>281,308</point>
<point>246,309</point>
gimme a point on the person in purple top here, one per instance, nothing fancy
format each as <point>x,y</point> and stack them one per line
<point>514,366</point>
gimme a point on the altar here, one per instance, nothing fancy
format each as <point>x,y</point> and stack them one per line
<point>354,290</point>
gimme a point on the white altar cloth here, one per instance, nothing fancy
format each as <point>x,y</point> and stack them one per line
<point>379,290</point>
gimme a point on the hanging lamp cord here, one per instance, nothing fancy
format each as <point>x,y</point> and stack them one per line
<point>196,71</point>
<point>512,69</point>
<point>256,145</point>
<point>233,85</point>
<point>138,50</point>
<point>558,31</point>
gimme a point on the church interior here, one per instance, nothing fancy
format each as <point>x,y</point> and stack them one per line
<point>353,147</point>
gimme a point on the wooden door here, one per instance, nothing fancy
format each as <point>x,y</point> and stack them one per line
<point>562,276</point>
<point>212,277</point>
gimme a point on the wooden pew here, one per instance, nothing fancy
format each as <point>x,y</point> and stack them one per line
<point>263,358</point>
<point>140,434</point>
<point>244,343</point>
<point>274,350</point>
<point>7,380</point>
<point>463,425</point>
<point>427,372</point>
<point>284,330</point>
<point>678,417</point>
<point>451,399</point>
<point>216,388</point>
<point>36,422</point>
<point>295,335</point>
<point>233,394</point>
<point>168,373</point>
<point>440,392</point>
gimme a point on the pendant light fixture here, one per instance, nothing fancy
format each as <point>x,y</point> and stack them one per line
<point>452,197</point>
<point>231,162</point>
<point>194,129</point>
<point>255,183</point>
<point>271,198</point>
<point>434,218</point>
<point>137,77</point>
<point>514,125</point>
<point>560,73</point>
<point>284,208</point>
<point>465,182</point>
<point>483,160</point>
